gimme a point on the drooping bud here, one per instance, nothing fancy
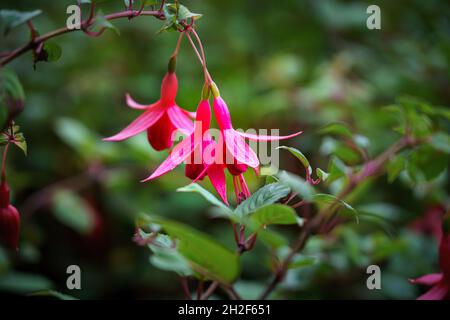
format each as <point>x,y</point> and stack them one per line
<point>9,220</point>
<point>172,64</point>
<point>444,247</point>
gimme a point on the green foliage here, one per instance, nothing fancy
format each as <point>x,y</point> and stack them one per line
<point>10,19</point>
<point>297,184</point>
<point>73,211</point>
<point>12,96</point>
<point>300,156</point>
<point>166,257</point>
<point>264,196</point>
<point>206,257</point>
<point>176,14</point>
<point>53,294</point>
<point>338,129</point>
<point>23,283</point>
<point>100,22</point>
<point>335,204</point>
<point>194,187</point>
<point>274,214</point>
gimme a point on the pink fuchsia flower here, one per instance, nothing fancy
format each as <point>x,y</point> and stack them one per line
<point>161,119</point>
<point>9,219</point>
<point>191,150</point>
<point>235,147</point>
<point>439,282</point>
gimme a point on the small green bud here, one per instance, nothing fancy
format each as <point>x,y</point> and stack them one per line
<point>172,64</point>
<point>206,92</point>
<point>215,91</point>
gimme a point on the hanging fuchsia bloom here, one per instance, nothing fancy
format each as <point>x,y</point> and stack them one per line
<point>162,118</point>
<point>192,150</point>
<point>439,282</point>
<point>9,219</point>
<point>237,152</point>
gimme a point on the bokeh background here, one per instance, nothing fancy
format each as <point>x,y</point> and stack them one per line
<point>293,65</point>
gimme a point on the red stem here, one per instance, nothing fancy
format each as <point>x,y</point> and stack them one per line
<point>5,154</point>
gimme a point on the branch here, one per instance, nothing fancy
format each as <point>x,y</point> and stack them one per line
<point>84,26</point>
<point>371,168</point>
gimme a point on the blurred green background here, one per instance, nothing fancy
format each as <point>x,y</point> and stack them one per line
<point>293,65</point>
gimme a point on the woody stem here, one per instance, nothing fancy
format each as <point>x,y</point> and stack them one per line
<point>86,24</point>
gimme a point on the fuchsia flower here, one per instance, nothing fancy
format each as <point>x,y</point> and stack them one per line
<point>162,118</point>
<point>439,282</point>
<point>193,148</point>
<point>234,146</point>
<point>9,219</point>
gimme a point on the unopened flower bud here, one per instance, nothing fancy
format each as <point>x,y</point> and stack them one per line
<point>9,220</point>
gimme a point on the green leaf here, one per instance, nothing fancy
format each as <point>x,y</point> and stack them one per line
<point>375,219</point>
<point>395,166</point>
<point>297,184</point>
<point>425,163</point>
<point>23,283</point>
<point>347,154</point>
<point>175,14</point>
<point>204,254</point>
<point>322,174</point>
<point>441,141</point>
<point>274,214</point>
<point>12,96</point>
<point>184,13</point>
<point>300,261</point>
<point>54,294</point>
<point>76,135</point>
<point>53,51</point>
<point>331,146</point>
<point>166,257</point>
<point>101,22</point>
<point>299,156</point>
<point>327,200</point>
<point>338,129</point>
<point>73,211</point>
<point>272,239</point>
<point>19,141</point>
<point>266,195</point>
<point>194,187</point>
<point>10,19</point>
<point>337,169</point>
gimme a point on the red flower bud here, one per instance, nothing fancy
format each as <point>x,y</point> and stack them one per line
<point>444,248</point>
<point>9,220</point>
